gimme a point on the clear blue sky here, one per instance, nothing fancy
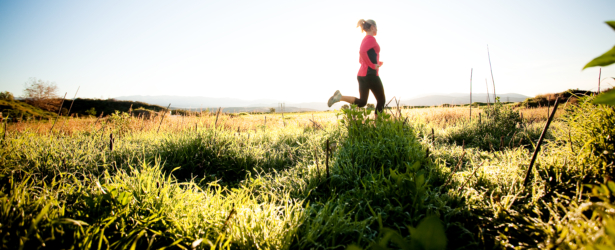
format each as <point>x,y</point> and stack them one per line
<point>300,50</point>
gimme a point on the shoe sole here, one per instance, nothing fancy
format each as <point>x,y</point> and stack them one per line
<point>332,98</point>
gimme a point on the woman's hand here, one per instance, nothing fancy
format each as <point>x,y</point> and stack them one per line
<point>377,66</point>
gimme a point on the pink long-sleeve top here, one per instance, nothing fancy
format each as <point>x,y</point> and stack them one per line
<point>369,55</point>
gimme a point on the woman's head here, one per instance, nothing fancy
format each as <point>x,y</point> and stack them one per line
<point>368,26</point>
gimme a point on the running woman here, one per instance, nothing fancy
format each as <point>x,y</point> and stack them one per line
<point>368,77</point>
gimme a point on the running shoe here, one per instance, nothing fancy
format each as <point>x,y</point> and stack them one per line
<point>337,96</point>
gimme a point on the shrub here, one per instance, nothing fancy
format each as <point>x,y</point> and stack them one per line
<point>121,122</point>
<point>7,96</point>
<point>91,111</point>
<point>499,127</point>
<point>591,130</point>
<point>380,178</point>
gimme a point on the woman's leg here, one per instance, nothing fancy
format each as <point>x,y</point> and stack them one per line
<point>375,84</point>
<point>363,91</point>
<point>348,99</point>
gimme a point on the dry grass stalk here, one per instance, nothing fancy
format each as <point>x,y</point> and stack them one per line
<point>5,132</point>
<point>542,135</point>
<point>316,124</point>
<point>316,157</point>
<point>228,218</point>
<point>163,115</point>
<point>327,160</point>
<point>468,179</point>
<point>111,140</point>
<point>471,71</point>
<point>491,69</point>
<point>59,110</point>
<point>457,167</point>
<point>71,107</point>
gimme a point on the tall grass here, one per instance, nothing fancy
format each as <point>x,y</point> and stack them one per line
<point>238,183</point>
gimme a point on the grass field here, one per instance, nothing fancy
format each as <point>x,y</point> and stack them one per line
<point>429,178</point>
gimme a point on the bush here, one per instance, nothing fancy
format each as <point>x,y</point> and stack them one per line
<point>8,96</point>
<point>121,122</point>
<point>592,132</point>
<point>91,111</point>
<point>498,127</point>
<point>14,114</point>
<point>380,178</point>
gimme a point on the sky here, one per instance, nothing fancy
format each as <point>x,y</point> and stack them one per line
<point>301,51</point>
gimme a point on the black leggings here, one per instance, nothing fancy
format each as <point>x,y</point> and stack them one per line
<point>373,83</point>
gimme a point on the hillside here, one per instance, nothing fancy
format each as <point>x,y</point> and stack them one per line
<point>569,96</point>
<point>108,106</point>
<point>18,109</point>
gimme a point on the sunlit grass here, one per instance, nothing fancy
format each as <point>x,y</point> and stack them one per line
<point>261,181</point>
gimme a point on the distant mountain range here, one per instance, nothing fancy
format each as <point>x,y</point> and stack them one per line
<point>228,104</point>
<point>458,98</point>
<point>263,105</point>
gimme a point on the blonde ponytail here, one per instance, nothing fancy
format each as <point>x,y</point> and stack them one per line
<point>360,23</point>
<point>365,24</point>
